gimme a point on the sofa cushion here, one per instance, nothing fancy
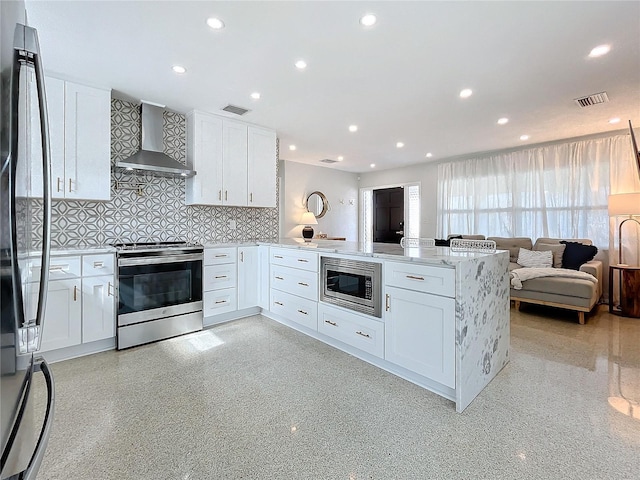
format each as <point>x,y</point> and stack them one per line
<point>575,254</point>
<point>557,250</point>
<point>566,287</point>
<point>513,244</point>
<point>531,259</point>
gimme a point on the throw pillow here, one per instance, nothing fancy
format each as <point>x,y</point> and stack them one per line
<point>556,249</point>
<point>531,259</point>
<point>440,242</point>
<point>575,254</point>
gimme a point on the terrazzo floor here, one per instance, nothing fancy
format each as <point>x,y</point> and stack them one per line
<point>252,399</point>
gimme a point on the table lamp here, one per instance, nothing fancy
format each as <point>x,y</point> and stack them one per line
<point>308,219</point>
<point>624,204</point>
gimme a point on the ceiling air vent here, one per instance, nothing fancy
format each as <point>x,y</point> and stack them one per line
<point>593,99</point>
<point>235,109</point>
<point>328,160</point>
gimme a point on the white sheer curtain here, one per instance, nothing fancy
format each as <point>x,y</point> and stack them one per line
<point>556,190</point>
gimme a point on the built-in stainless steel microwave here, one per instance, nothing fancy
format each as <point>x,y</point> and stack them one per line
<point>352,284</point>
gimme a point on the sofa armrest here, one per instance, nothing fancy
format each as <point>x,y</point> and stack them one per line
<point>594,267</point>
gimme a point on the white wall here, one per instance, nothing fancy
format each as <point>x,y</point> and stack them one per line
<point>341,188</point>
<point>427,175</point>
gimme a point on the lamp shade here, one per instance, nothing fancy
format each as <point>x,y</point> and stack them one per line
<point>624,204</point>
<point>308,218</point>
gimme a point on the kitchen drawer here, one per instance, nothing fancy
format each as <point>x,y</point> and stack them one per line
<point>99,264</point>
<point>296,309</point>
<point>219,276</point>
<point>421,278</point>
<point>220,301</point>
<point>296,258</point>
<point>217,256</point>
<point>59,268</point>
<point>298,282</point>
<point>358,331</point>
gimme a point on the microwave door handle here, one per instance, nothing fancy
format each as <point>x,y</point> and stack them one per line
<point>38,454</point>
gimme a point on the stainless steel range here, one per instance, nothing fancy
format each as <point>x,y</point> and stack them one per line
<point>159,291</point>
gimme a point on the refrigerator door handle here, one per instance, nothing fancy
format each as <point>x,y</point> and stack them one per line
<point>36,459</point>
<point>27,46</point>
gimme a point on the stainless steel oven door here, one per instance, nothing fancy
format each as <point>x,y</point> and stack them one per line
<point>158,286</point>
<point>352,284</point>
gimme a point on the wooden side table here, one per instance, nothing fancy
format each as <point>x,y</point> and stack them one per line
<point>628,289</point>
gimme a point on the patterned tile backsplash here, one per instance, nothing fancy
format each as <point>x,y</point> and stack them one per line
<point>159,214</point>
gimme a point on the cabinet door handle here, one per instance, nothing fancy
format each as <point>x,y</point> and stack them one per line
<point>98,264</point>
<point>331,323</point>
<point>58,185</point>
<point>109,289</point>
<point>278,303</point>
<point>414,278</point>
<point>303,312</point>
<point>386,303</point>
<point>75,293</point>
<point>303,260</point>
<point>303,284</point>
<point>221,255</point>
<point>363,334</point>
<point>251,197</point>
<point>242,256</point>
<point>226,197</point>
<point>277,256</point>
<point>69,185</point>
<point>221,301</point>
<point>279,278</point>
<point>221,276</point>
<point>220,195</point>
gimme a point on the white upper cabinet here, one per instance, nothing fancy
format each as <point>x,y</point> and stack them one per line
<point>262,167</point>
<point>80,133</point>
<point>229,159</point>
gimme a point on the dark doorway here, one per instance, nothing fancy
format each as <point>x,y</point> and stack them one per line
<point>388,215</point>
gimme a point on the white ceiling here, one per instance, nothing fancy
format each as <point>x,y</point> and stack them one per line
<point>398,80</point>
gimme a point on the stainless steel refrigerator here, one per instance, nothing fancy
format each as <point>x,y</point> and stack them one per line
<point>27,387</point>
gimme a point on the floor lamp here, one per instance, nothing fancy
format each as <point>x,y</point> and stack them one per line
<point>624,204</point>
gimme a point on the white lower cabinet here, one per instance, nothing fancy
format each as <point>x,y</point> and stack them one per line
<point>220,301</point>
<point>248,277</point>
<point>63,314</point>
<point>355,330</point>
<point>300,310</point>
<point>420,333</point>
<point>98,308</point>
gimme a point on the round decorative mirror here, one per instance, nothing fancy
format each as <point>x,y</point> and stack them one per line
<point>318,204</point>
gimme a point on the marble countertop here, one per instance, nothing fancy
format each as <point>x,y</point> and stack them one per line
<point>82,250</point>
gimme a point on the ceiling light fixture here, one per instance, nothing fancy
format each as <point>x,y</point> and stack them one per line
<point>599,51</point>
<point>215,23</point>
<point>614,120</point>
<point>429,155</point>
<point>340,158</point>
<point>524,137</point>
<point>466,93</point>
<point>179,69</point>
<point>255,95</point>
<point>353,128</point>
<point>301,64</point>
<point>503,121</point>
<point>373,165</point>
<point>368,20</point>
<point>399,145</point>
<point>292,147</point>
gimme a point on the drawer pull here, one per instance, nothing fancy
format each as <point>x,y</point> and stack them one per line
<point>303,284</point>
<point>363,334</point>
<point>223,255</point>
<point>303,312</point>
<point>75,293</point>
<point>279,278</point>
<point>221,301</point>
<point>303,260</point>
<point>386,303</point>
<point>109,286</point>
<point>221,276</point>
<point>226,197</point>
<point>220,195</point>
<point>241,257</point>
<point>331,323</point>
<point>278,303</point>
<point>98,264</point>
<point>277,256</point>
<point>58,268</point>
<point>414,278</point>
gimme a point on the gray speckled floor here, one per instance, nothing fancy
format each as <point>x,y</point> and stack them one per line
<point>253,399</point>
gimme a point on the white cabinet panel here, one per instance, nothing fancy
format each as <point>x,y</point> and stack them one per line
<point>422,278</point>
<point>217,256</point>
<point>295,258</point>
<point>248,277</point>
<point>298,282</point>
<point>263,278</point>
<point>98,308</point>
<point>98,264</point>
<point>220,301</point>
<point>234,163</point>
<point>261,164</point>
<point>353,329</point>
<point>296,309</point>
<point>55,110</point>
<point>204,155</point>
<point>219,276</point>
<point>420,334</point>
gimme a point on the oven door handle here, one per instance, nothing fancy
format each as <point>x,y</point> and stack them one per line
<point>155,260</point>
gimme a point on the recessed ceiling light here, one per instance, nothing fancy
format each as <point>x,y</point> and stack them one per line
<point>301,64</point>
<point>255,95</point>
<point>353,128</point>
<point>614,120</point>
<point>399,145</point>
<point>179,69</point>
<point>599,51</point>
<point>429,155</point>
<point>466,93</point>
<point>292,147</point>
<point>215,23</point>
<point>368,20</point>
<point>503,121</point>
<point>340,158</point>
<point>524,137</point>
<point>373,165</point>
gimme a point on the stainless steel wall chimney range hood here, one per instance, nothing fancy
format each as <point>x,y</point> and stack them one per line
<point>151,157</point>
